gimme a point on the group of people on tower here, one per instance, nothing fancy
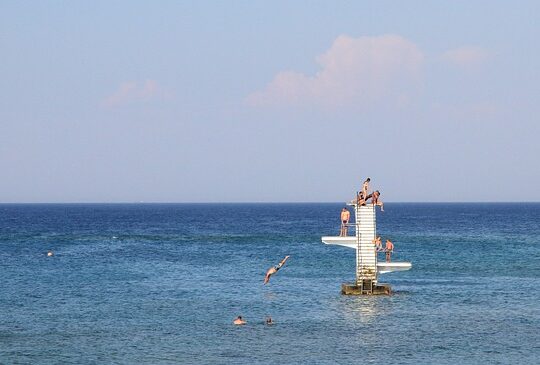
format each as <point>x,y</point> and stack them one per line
<point>361,199</point>
<point>389,249</point>
<point>364,196</point>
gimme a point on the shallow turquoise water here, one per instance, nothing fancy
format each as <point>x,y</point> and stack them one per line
<point>160,284</point>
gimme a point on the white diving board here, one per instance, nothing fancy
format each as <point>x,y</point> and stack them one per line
<point>350,242</point>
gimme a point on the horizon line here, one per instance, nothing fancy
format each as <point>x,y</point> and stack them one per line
<point>268,202</point>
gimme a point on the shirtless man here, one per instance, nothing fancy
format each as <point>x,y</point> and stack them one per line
<point>365,188</point>
<point>360,200</point>
<point>389,250</point>
<point>239,321</point>
<point>274,269</point>
<point>378,243</point>
<point>345,216</point>
<point>376,201</point>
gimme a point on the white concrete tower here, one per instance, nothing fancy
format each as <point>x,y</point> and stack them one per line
<point>366,256</point>
<point>367,266</point>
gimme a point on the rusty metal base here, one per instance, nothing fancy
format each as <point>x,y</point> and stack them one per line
<point>354,289</point>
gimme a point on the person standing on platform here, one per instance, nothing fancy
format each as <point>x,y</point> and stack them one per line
<point>389,249</point>
<point>365,188</point>
<point>345,216</point>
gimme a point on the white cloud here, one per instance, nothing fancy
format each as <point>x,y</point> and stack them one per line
<point>354,72</point>
<point>466,56</point>
<point>131,91</point>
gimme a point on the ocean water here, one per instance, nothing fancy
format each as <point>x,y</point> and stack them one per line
<point>161,284</point>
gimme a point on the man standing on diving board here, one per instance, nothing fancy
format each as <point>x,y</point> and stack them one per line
<point>274,269</point>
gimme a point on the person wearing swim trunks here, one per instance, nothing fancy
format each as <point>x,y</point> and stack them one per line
<point>378,243</point>
<point>274,269</point>
<point>365,188</point>
<point>360,200</point>
<point>389,249</point>
<point>345,216</point>
<point>376,201</point>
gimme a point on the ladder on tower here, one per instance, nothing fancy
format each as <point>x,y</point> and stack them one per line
<point>366,257</point>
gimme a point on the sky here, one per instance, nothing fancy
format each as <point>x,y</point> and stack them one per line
<point>269,101</point>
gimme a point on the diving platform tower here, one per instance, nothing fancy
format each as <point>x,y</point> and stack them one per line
<point>368,267</point>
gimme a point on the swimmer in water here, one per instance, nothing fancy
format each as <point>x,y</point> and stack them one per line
<point>274,269</point>
<point>239,321</point>
<point>50,253</point>
<point>269,321</point>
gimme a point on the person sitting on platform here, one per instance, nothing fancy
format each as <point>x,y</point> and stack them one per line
<point>345,216</point>
<point>274,269</point>
<point>375,200</point>
<point>389,250</point>
<point>361,199</point>
<point>378,244</point>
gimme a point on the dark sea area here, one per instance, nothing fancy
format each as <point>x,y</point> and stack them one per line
<point>162,283</point>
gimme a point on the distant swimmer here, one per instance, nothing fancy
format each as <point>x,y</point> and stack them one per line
<point>376,201</point>
<point>345,216</point>
<point>389,250</point>
<point>274,269</point>
<point>50,253</point>
<point>269,321</point>
<point>239,321</point>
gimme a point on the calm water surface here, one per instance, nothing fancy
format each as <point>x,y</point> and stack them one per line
<point>161,284</point>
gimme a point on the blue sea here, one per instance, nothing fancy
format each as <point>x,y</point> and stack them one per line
<point>162,283</point>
